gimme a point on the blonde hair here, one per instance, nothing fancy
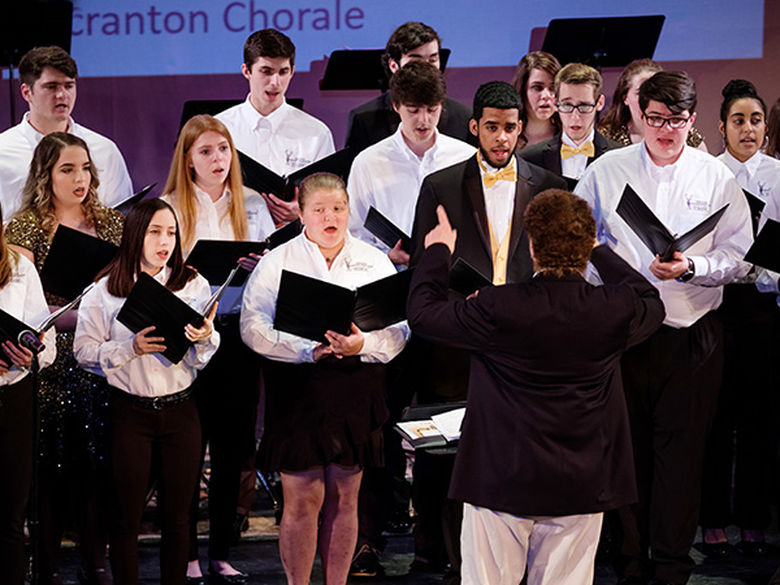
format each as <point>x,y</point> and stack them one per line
<point>578,74</point>
<point>181,180</point>
<point>320,182</point>
<point>38,195</point>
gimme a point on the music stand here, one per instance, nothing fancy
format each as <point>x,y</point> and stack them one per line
<point>603,42</point>
<point>361,69</point>
<point>52,20</point>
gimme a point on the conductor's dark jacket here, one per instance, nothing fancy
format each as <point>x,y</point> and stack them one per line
<point>546,428</point>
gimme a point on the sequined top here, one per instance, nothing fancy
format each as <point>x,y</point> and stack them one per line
<point>623,136</point>
<point>25,230</point>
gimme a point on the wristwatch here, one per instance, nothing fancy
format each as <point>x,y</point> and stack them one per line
<point>686,276</point>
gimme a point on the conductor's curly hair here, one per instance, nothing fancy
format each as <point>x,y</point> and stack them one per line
<point>562,231</point>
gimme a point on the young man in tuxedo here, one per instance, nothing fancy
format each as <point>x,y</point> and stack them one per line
<point>578,99</point>
<point>377,119</point>
<point>672,379</point>
<point>484,197</point>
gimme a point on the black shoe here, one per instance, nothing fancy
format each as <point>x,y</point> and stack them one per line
<point>96,577</point>
<point>220,579</point>
<point>751,548</point>
<point>195,580</point>
<point>631,580</point>
<point>715,550</point>
<point>366,563</point>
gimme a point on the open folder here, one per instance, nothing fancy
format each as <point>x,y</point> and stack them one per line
<point>765,251</point>
<point>653,233</point>
<point>432,425</point>
<point>756,205</point>
<point>264,180</point>
<point>20,333</point>
<point>308,307</point>
<point>125,206</point>
<point>384,229</point>
<point>151,303</point>
<point>215,258</point>
<point>73,261</point>
<point>465,279</point>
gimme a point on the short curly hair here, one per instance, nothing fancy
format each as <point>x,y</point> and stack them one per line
<point>562,231</point>
<point>418,83</point>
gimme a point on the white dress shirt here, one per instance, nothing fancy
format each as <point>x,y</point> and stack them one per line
<point>760,175</point>
<point>681,195</point>
<point>16,151</point>
<point>356,264</point>
<point>285,140</point>
<point>22,297</point>
<point>388,175</point>
<point>574,166</point>
<point>499,201</point>
<point>104,346</point>
<point>214,224</point>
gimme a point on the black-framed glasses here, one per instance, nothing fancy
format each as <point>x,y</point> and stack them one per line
<point>569,108</point>
<point>675,122</point>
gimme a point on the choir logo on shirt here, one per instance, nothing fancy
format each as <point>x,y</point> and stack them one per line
<point>357,265</point>
<point>295,162</point>
<point>700,205</point>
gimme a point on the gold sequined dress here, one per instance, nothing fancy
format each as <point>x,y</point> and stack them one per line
<point>623,136</point>
<point>73,402</point>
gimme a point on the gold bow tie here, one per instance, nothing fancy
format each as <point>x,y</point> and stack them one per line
<point>508,173</point>
<point>587,149</point>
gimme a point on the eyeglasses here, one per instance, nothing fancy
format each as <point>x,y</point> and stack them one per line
<point>675,122</point>
<point>569,108</point>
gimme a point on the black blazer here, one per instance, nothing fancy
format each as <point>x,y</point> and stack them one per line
<point>459,189</point>
<point>375,120</point>
<point>547,154</point>
<point>546,429</point>
<point>442,372</point>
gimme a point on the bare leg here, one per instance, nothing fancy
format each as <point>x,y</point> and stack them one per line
<point>339,529</point>
<point>304,493</point>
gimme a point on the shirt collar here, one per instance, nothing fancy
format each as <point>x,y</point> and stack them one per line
<point>667,171</point>
<point>566,140</point>
<point>400,143</point>
<point>34,136</point>
<point>750,165</point>
<point>206,198</point>
<point>256,120</point>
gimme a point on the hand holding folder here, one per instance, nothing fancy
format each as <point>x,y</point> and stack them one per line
<point>161,317</point>
<point>653,233</point>
<point>264,180</point>
<point>308,307</point>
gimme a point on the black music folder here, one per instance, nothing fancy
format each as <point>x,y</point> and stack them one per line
<point>151,303</point>
<point>263,180</point>
<point>214,259</point>
<point>653,233</point>
<point>125,206</point>
<point>73,262</point>
<point>465,279</point>
<point>385,230</point>
<point>765,251</point>
<point>308,307</point>
<point>19,333</point>
<point>756,205</point>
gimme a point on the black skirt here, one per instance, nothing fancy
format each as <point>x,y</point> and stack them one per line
<point>326,413</point>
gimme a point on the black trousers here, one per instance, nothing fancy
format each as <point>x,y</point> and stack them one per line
<point>16,459</point>
<point>227,392</point>
<point>671,383</point>
<point>171,437</point>
<point>741,446</point>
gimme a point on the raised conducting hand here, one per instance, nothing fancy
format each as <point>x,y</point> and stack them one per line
<point>345,345</point>
<point>143,342</point>
<point>197,333</point>
<point>443,233</point>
